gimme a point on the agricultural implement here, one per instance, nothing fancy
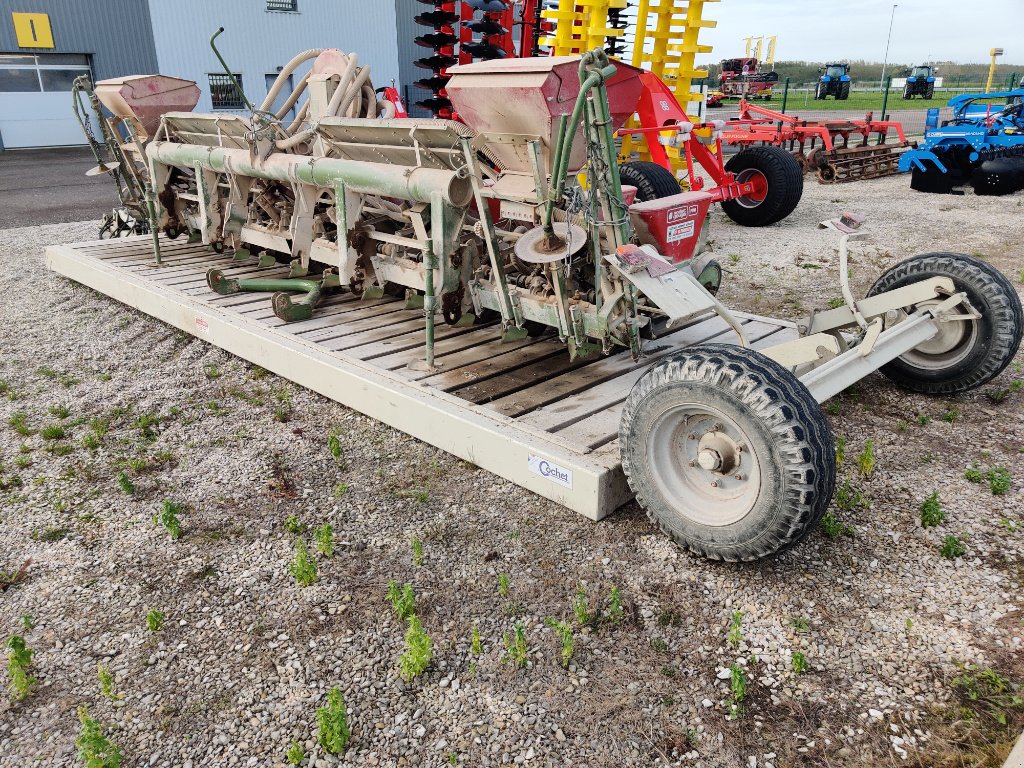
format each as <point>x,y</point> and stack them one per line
<point>823,146</point>
<point>743,78</point>
<point>486,223</point>
<point>834,81</point>
<point>982,146</point>
<point>920,82</point>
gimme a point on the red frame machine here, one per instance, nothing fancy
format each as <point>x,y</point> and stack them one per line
<point>823,146</point>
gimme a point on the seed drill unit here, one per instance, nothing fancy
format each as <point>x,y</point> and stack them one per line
<point>982,146</point>
<point>486,221</point>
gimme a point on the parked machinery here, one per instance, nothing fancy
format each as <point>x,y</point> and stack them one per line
<point>982,146</point>
<point>744,78</point>
<point>920,82</point>
<point>834,81</point>
<point>823,146</point>
<point>486,221</point>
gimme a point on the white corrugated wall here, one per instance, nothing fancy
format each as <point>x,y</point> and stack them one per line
<point>256,41</point>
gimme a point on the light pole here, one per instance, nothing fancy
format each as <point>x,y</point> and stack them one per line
<point>885,61</point>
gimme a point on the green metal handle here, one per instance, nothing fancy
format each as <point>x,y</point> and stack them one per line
<point>227,70</point>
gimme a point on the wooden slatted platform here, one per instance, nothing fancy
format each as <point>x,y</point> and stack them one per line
<point>520,410</point>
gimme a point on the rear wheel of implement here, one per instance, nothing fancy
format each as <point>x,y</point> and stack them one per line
<point>650,179</point>
<point>783,176</point>
<point>966,353</point>
<point>727,452</point>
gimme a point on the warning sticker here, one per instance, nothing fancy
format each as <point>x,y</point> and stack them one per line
<point>202,326</point>
<point>677,232</point>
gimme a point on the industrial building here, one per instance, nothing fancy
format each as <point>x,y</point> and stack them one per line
<point>45,44</point>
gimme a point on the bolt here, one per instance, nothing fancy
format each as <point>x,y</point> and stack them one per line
<point>714,483</point>
<point>693,436</point>
<point>738,476</point>
<point>716,428</point>
<point>693,463</point>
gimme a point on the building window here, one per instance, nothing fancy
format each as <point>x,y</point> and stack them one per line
<point>223,93</point>
<point>289,6</point>
<point>52,72</point>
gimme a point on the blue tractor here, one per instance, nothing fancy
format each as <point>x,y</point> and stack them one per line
<point>834,82</point>
<point>981,146</point>
<point>921,82</point>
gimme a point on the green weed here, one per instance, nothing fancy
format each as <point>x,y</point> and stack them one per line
<point>340,489</point>
<point>564,633</point>
<point>417,551</point>
<point>614,612</point>
<point>988,694</point>
<point>59,411</point>
<point>155,619</point>
<point>18,421</point>
<point>334,446</point>
<point>323,536</point>
<point>923,419</point>
<point>931,511</point>
<point>107,683</point>
<point>866,459</point>
<point>799,662</point>
<point>735,629</point>
<point>53,432</point>
<point>849,498</point>
<point>302,566</point>
<point>833,527</point>
<point>212,372</point>
<point>293,525</point>
<point>27,622</point>
<point>125,483</point>
<point>403,600</point>
<point>418,651</point>
<point>953,547</point>
<point>295,754</point>
<point>516,650</point>
<point>19,659</point>
<point>840,449</point>
<point>476,645</point>
<point>998,480</point>
<point>800,624</point>
<point>146,424</point>
<point>332,724</point>
<point>95,750</point>
<point>951,416</point>
<point>581,607</point>
<point>503,584</point>
<point>974,475</point>
<point>168,518</point>
<point>738,689</point>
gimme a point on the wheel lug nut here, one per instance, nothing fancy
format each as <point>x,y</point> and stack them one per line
<point>693,462</point>
<point>692,436</point>
<point>714,483</point>
<point>738,476</point>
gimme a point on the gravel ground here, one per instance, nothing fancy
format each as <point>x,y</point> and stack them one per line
<point>245,655</point>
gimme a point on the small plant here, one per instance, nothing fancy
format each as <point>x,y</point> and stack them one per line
<point>334,446</point>
<point>800,624</point>
<point>18,421</point>
<point>931,511</point>
<point>90,441</point>
<point>27,622</point>
<point>901,425</point>
<point>94,748</point>
<point>614,612</point>
<point>53,432</point>
<point>216,408</point>
<point>146,424</point>
<point>125,484</point>
<point>418,651</point>
<point>659,645</point>
<point>19,658</point>
<point>293,525</point>
<point>476,645</point>
<point>973,474</point>
<point>840,449</point>
<point>564,633</point>
<point>799,662</point>
<point>332,724</point>
<point>833,527</point>
<point>154,619</point>
<point>988,694</point>
<point>832,408</point>
<point>340,489</point>
<point>581,607</point>
<point>735,629</point>
<point>515,647</point>
<point>835,302</point>
<point>503,584</point>
<point>59,411</point>
<point>417,551</point>
<point>738,688</point>
<point>866,459</point>
<point>998,480</point>
<point>168,518</point>
<point>302,566</point>
<point>107,683</point>
<point>953,547</point>
<point>849,498</point>
<point>22,462</point>
<point>403,600</point>
<point>951,416</point>
<point>923,419</point>
<point>324,539</point>
<point>212,372</point>
<point>295,754</point>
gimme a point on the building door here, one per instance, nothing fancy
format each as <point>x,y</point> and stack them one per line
<point>282,97</point>
<point>35,99</point>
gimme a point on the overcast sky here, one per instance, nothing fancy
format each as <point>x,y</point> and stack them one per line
<point>816,30</point>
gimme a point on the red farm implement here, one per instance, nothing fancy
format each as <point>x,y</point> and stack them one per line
<point>835,150</point>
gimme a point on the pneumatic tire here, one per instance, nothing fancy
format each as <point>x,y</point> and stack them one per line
<point>967,353</point>
<point>651,180</point>
<point>844,92</point>
<point>820,92</point>
<point>776,461</point>
<point>782,174</point>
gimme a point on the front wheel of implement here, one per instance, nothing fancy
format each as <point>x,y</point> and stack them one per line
<point>728,452</point>
<point>965,354</point>
<point>780,175</point>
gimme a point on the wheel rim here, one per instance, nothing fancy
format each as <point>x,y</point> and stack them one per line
<point>703,464</point>
<point>949,347</point>
<point>760,182</point>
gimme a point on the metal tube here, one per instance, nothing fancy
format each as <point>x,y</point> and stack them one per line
<point>429,300</point>
<point>228,72</point>
<point>408,183</point>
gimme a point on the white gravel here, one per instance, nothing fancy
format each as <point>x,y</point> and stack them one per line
<point>246,656</point>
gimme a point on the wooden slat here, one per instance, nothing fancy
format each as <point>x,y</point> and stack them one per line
<point>479,344</point>
<point>508,373</point>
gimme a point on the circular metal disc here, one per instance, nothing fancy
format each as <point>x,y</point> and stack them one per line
<point>102,168</point>
<point>531,248</point>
